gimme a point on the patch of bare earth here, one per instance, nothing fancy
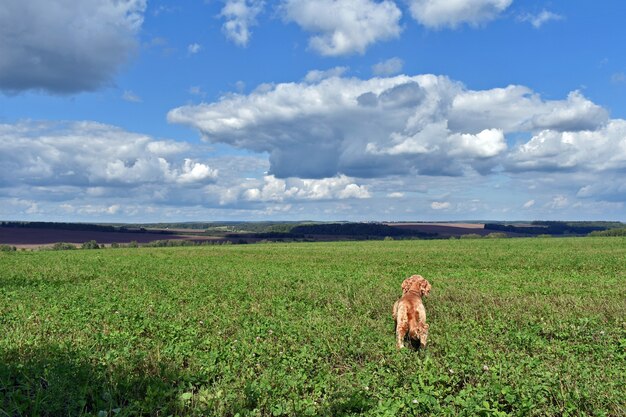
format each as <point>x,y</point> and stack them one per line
<point>33,238</point>
<point>445,229</point>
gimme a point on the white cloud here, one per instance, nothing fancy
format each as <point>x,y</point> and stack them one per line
<point>395,194</point>
<point>538,20</point>
<point>484,144</point>
<point>452,13</point>
<point>344,27</point>
<point>192,172</point>
<point>559,202</point>
<point>440,205</point>
<point>95,209</point>
<point>65,46</point>
<point>130,96</point>
<point>391,66</point>
<point>592,150</point>
<point>517,108</point>
<point>97,171</point>
<point>315,76</point>
<point>114,209</point>
<point>398,125</point>
<point>240,16</point>
<point>167,148</point>
<point>194,48</point>
<point>577,113</point>
<point>278,190</point>
<point>528,204</point>
<point>89,154</point>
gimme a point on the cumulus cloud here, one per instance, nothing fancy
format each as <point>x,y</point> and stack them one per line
<point>601,149</point>
<point>518,108</point>
<point>193,172</point>
<point>278,190</point>
<point>400,125</point>
<point>484,144</point>
<point>240,16</point>
<point>64,46</point>
<point>438,14</point>
<point>89,154</point>
<point>344,27</point>
<point>391,66</point>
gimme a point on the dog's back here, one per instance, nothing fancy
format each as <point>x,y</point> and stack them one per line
<point>408,315</point>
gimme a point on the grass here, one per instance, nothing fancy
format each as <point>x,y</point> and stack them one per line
<point>520,327</point>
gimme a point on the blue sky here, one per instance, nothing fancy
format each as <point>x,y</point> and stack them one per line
<point>142,111</point>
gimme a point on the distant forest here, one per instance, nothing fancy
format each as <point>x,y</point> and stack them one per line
<point>555,227</point>
<point>358,229</point>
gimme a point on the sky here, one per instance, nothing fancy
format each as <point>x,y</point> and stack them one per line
<point>363,110</point>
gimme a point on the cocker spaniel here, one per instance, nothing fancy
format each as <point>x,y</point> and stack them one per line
<point>409,312</point>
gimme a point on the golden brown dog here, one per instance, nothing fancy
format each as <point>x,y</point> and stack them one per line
<point>409,312</point>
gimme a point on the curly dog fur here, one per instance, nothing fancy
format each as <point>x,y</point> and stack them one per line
<point>409,312</point>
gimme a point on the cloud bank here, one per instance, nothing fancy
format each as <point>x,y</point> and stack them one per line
<point>89,154</point>
<point>92,169</point>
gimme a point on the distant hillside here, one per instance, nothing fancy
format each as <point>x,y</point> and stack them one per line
<point>610,232</point>
<point>357,229</point>
<point>555,227</point>
<point>31,234</point>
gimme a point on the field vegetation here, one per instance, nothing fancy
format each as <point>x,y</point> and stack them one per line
<point>519,327</point>
<point>610,232</point>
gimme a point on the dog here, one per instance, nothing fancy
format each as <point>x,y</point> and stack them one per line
<point>409,312</point>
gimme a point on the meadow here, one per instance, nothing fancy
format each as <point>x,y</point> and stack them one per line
<point>519,327</point>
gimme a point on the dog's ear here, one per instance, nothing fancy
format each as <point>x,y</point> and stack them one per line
<point>406,285</point>
<point>409,282</point>
<point>425,287</point>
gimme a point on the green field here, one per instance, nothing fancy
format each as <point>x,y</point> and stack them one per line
<point>522,327</point>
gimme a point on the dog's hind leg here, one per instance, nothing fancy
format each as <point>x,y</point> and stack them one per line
<point>423,334</point>
<point>402,324</point>
<point>401,330</point>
